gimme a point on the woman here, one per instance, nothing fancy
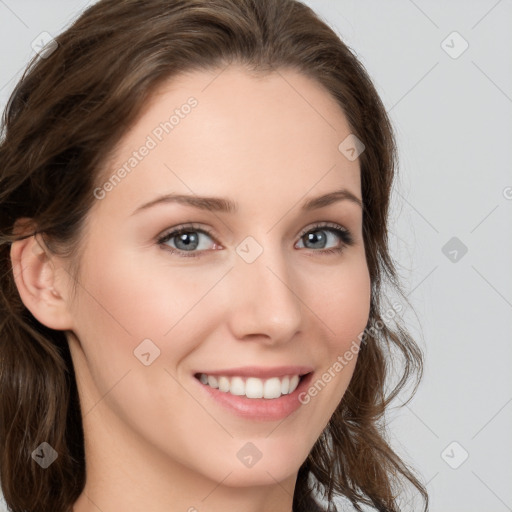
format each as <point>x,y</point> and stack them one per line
<point>194,200</point>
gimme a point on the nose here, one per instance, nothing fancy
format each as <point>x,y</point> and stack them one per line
<point>266,304</point>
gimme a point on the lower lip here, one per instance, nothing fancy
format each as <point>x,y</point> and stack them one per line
<point>259,409</point>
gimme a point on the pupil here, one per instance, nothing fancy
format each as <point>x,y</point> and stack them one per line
<point>183,239</point>
<point>319,238</point>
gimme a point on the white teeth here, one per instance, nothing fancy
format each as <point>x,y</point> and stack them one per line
<point>285,385</point>
<point>272,388</point>
<point>237,386</point>
<point>294,382</point>
<point>212,381</point>
<point>252,387</point>
<point>224,384</point>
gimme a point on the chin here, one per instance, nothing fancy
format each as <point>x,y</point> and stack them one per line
<point>260,475</point>
<point>275,466</point>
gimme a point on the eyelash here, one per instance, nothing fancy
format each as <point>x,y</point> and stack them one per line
<point>343,233</point>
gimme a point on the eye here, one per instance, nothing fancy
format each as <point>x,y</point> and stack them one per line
<point>334,230</point>
<point>187,239</point>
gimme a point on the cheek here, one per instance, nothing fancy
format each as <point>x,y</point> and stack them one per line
<point>143,298</point>
<point>122,304</point>
<point>124,300</point>
<point>344,307</point>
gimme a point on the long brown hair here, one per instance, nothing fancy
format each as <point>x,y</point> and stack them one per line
<point>62,120</point>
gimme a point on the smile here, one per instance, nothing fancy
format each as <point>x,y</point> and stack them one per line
<point>252,387</point>
<point>254,398</point>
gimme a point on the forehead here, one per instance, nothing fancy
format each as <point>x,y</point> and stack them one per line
<point>230,132</point>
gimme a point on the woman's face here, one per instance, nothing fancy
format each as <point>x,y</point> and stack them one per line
<point>253,289</point>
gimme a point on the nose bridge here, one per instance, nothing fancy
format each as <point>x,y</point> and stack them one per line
<point>266,300</point>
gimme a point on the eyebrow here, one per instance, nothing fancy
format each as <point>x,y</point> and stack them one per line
<point>224,205</point>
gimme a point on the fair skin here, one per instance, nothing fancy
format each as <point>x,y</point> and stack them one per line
<point>154,441</point>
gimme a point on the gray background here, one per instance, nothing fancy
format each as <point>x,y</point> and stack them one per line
<point>452,116</point>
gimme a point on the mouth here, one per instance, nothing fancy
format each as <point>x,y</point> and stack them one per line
<point>253,398</point>
<point>253,387</point>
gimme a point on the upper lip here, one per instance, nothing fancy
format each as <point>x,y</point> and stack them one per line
<point>260,371</point>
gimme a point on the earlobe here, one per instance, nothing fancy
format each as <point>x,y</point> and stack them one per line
<point>35,277</point>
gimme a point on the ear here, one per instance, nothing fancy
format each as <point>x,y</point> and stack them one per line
<point>35,275</point>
